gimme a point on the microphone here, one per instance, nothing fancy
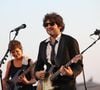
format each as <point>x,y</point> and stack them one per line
<point>97,32</point>
<point>18,28</point>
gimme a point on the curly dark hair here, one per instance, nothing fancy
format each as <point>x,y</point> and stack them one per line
<point>13,44</point>
<point>54,17</point>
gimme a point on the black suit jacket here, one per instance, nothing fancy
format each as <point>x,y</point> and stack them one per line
<point>67,49</point>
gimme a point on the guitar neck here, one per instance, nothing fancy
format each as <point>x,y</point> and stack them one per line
<point>24,72</point>
<point>58,72</point>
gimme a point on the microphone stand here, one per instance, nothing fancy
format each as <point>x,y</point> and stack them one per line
<point>4,58</point>
<point>82,53</point>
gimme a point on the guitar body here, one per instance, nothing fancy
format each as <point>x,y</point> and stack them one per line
<point>45,84</point>
<point>11,86</point>
<point>13,83</point>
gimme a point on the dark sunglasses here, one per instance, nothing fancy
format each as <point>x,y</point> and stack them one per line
<point>46,24</point>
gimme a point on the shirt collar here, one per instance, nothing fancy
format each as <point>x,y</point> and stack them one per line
<point>57,38</point>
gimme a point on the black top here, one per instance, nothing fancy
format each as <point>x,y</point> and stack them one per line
<point>16,71</point>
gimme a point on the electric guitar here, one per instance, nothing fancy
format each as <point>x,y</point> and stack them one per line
<point>46,84</point>
<point>12,84</point>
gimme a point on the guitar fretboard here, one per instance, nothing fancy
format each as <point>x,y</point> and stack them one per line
<point>58,72</point>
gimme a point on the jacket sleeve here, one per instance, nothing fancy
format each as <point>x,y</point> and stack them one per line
<point>74,50</point>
